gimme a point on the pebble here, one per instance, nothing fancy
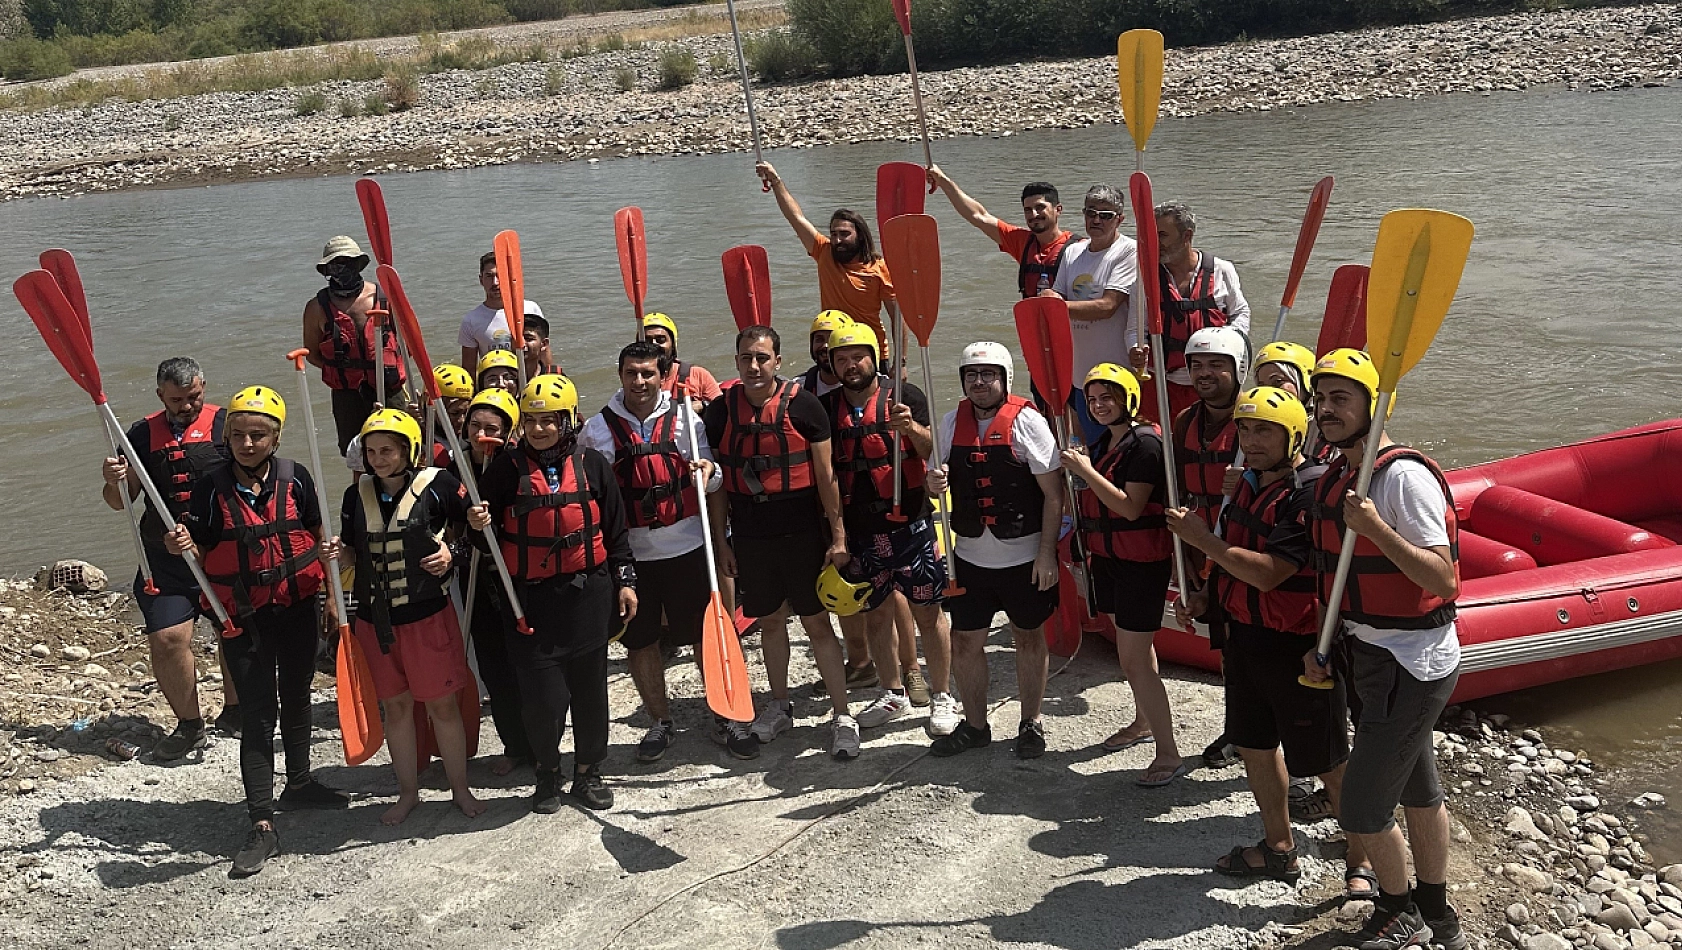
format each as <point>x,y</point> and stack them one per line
<point>1648,800</point>
<point>1583,802</point>
<point>1618,916</point>
<point>1545,941</point>
<point>1518,914</point>
<point>1527,878</point>
<point>76,654</point>
<point>1671,874</point>
<point>41,651</point>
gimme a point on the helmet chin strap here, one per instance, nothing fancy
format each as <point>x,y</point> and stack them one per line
<point>255,474</point>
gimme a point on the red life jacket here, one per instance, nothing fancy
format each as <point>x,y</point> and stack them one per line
<point>347,354</point>
<point>761,452</point>
<point>1030,276</point>
<point>1203,460</point>
<point>678,379</point>
<point>441,455</point>
<point>1378,594</point>
<point>545,533</point>
<point>1185,314</point>
<point>175,464</point>
<point>1290,607</point>
<point>653,475</point>
<point>863,446</point>
<point>1146,537</point>
<point>991,488</point>
<point>259,558</point>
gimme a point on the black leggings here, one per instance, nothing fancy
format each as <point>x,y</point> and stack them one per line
<point>562,665</point>
<point>273,659</point>
<point>495,669</point>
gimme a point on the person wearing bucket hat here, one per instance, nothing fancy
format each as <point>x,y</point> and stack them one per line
<point>701,386</point>
<point>339,334</point>
<point>485,327</point>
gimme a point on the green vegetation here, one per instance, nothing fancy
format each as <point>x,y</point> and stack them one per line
<point>310,103</point>
<point>677,69</point>
<point>624,78</point>
<point>781,56</point>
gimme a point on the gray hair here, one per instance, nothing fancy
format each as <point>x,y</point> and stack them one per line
<point>1108,194</point>
<point>1183,218</point>
<point>183,371</point>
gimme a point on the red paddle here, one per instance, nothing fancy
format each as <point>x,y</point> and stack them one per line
<point>747,282</point>
<point>1063,628</point>
<point>1305,246</point>
<point>511,282</point>
<point>633,258</point>
<point>723,669</point>
<point>372,200</point>
<point>1346,310</point>
<point>899,190</point>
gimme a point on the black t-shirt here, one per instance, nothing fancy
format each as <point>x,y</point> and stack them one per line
<point>447,505</point>
<point>204,518</point>
<point>1141,463</point>
<point>914,501</point>
<point>500,485</point>
<point>778,516</point>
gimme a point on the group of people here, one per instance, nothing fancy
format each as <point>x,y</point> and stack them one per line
<point>817,489</point>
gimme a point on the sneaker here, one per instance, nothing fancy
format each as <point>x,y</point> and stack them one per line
<point>1220,754</point>
<point>306,792</point>
<point>1446,933</point>
<point>772,721</point>
<point>844,738</point>
<point>228,722</point>
<point>962,739</point>
<point>917,688</point>
<point>186,738</point>
<point>736,737</point>
<point>943,715</point>
<point>260,845</point>
<point>588,789</point>
<point>1393,930</point>
<point>887,707</point>
<point>655,741</point>
<point>1030,740</point>
<point>858,677</point>
<point>546,798</point>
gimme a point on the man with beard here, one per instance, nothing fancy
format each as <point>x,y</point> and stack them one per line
<point>339,335</point>
<point>1036,248</point>
<point>1095,276</point>
<point>177,445</point>
<point>819,378</point>
<point>1007,506</point>
<point>852,277</point>
<point>694,381</point>
<point>1198,290</point>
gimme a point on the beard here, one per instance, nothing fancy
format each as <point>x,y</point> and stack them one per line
<point>845,253</point>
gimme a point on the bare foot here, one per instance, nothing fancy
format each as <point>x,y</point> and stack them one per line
<point>470,806</point>
<point>396,813</point>
<point>502,765</point>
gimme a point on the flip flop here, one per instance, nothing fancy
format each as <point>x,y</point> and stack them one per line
<point>1109,744</point>
<point>1183,769</point>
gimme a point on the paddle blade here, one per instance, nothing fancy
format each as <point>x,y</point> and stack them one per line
<point>1144,220</point>
<point>61,328</point>
<point>911,247</point>
<point>511,281</point>
<point>1305,239</point>
<point>408,327</point>
<point>359,704</point>
<point>633,255</point>
<point>372,200</point>
<point>1345,324</point>
<point>902,13</point>
<point>747,282</point>
<point>1416,267</point>
<point>899,190</point>
<point>1138,64</point>
<point>1042,327</point>
<point>58,262</point>
<point>723,670</point>
<point>1062,630</point>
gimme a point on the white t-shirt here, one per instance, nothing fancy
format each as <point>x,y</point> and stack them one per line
<point>485,329</point>
<point>1034,445</point>
<point>1409,500</point>
<point>1084,274</point>
<point>655,544</point>
<point>1230,298</point>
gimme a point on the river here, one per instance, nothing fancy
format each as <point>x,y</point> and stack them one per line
<point>1564,327</point>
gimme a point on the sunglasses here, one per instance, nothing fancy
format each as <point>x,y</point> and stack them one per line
<point>1101,215</point>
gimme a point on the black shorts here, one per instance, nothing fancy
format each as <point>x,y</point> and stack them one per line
<point>1394,761</point>
<point>1266,707</point>
<point>177,599</point>
<point>677,587</point>
<point>1133,592</point>
<point>988,590</point>
<point>773,571</point>
<point>904,560</point>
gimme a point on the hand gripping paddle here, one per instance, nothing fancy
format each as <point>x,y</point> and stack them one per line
<point>747,282</point>
<point>511,282</point>
<point>633,258</point>
<point>1416,268</point>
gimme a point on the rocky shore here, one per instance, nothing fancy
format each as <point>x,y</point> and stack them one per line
<point>571,109</point>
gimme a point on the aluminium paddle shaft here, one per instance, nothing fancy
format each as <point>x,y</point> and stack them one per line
<point>296,358</point>
<point>128,512</point>
<point>747,85</point>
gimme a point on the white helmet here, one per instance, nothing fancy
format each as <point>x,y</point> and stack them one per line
<point>1223,341</point>
<point>986,354</point>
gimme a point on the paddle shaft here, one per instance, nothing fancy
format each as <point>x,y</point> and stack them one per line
<point>379,361</point>
<point>898,368</point>
<point>1169,468</point>
<point>333,579</point>
<point>1060,424</point>
<point>715,608</point>
<point>747,85</point>
<point>917,97</point>
<point>128,512</point>
<point>1363,482</point>
<point>472,486</point>
<point>946,535</point>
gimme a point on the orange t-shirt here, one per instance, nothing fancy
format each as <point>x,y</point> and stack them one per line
<point>859,290</point>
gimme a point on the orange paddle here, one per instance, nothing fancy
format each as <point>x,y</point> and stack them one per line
<point>723,669</point>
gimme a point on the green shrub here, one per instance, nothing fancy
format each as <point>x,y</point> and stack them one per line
<point>375,104</point>
<point>720,64</point>
<point>527,10</point>
<point>611,43</point>
<point>677,68</point>
<point>781,56</point>
<point>29,58</point>
<point>310,103</point>
<point>402,88</point>
<point>852,36</point>
<point>554,81</point>
<point>624,78</point>
<point>349,108</point>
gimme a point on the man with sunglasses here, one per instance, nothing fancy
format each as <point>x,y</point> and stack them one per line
<point>1095,276</point>
<point>339,334</point>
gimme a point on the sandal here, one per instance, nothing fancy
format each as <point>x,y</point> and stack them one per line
<point>1166,776</point>
<point>1121,740</point>
<point>1356,873</point>
<point>1278,865</point>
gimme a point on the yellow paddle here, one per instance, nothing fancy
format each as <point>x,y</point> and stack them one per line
<point>1416,267</point>
<point>1138,70</point>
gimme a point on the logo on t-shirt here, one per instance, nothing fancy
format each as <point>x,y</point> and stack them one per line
<point>1083,285</point>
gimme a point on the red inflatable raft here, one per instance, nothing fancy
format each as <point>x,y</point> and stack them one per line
<point>1570,560</point>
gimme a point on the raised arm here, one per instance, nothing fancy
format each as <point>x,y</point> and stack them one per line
<point>807,232</point>
<point>968,208</point>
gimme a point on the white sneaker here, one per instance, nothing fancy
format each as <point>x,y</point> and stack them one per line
<point>844,738</point>
<point>772,721</point>
<point>887,707</point>
<point>943,716</point>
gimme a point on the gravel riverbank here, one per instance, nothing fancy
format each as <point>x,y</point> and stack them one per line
<point>571,109</point>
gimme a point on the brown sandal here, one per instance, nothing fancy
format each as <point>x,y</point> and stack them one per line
<point>1278,865</point>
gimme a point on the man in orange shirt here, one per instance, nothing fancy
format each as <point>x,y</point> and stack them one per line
<point>852,277</point>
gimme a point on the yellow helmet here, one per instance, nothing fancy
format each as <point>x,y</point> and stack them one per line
<point>500,401</point>
<point>829,321</point>
<point>662,321</point>
<point>1294,355</point>
<point>1270,404</point>
<point>398,423</point>
<point>453,381</point>
<point>855,334</point>
<point>1119,377</point>
<point>550,392</point>
<point>504,359</point>
<point>840,596</point>
<point>259,400</point>
<point>1355,366</point>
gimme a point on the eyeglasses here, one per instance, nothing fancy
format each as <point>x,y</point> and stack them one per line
<point>1101,215</point>
<point>980,376</point>
<point>760,358</point>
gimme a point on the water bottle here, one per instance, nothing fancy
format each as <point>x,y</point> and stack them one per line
<point>1045,282</point>
<point>1076,442</point>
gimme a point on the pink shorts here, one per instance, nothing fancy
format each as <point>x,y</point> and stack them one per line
<point>428,660</point>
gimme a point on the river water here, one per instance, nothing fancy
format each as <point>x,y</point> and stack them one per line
<point>1564,327</point>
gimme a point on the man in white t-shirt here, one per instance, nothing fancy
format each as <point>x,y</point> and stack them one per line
<point>1096,276</point>
<point>1402,657</point>
<point>1000,458</point>
<point>485,327</point>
